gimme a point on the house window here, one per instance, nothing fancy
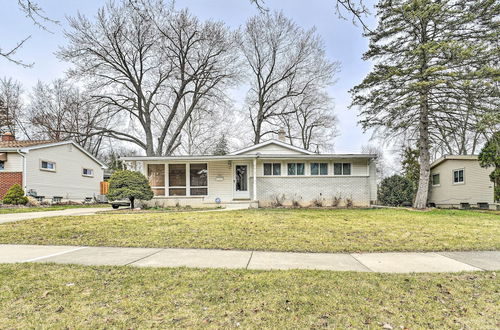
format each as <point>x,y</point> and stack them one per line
<point>342,168</point>
<point>458,176</point>
<point>319,168</point>
<point>177,180</point>
<point>296,168</point>
<point>2,165</point>
<point>435,180</point>
<point>156,177</point>
<point>198,176</point>
<point>47,166</point>
<point>272,169</point>
<point>88,172</point>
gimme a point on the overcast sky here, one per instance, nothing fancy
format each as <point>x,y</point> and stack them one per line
<point>343,41</point>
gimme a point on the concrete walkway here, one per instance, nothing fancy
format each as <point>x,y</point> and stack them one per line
<point>11,217</point>
<point>199,258</point>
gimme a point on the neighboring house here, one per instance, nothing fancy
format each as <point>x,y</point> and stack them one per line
<point>459,181</point>
<point>49,168</point>
<point>258,174</point>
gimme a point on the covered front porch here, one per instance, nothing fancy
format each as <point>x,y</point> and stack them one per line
<point>201,181</point>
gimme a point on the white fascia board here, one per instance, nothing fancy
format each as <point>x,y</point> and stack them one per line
<point>277,142</point>
<point>244,157</point>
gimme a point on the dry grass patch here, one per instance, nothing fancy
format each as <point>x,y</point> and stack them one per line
<point>352,230</point>
<point>78,297</point>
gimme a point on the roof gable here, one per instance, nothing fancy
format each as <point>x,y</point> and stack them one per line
<point>26,147</point>
<point>454,157</point>
<point>272,147</point>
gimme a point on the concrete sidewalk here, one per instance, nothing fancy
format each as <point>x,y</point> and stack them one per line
<point>12,217</point>
<point>155,257</point>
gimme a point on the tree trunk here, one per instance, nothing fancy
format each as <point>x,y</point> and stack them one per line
<point>258,127</point>
<point>132,202</point>
<point>425,165</point>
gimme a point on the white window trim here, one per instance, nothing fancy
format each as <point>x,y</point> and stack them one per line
<point>432,181</point>
<point>333,169</point>
<point>272,169</point>
<point>319,169</point>
<point>305,169</point>
<point>188,178</point>
<point>167,183</point>
<point>453,176</point>
<point>47,169</point>
<point>88,175</point>
<point>188,186</point>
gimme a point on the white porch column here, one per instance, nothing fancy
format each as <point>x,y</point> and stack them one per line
<point>255,179</point>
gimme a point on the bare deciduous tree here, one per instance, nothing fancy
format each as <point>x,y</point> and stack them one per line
<point>356,8</point>
<point>35,13</point>
<point>312,123</point>
<point>11,107</point>
<point>145,61</point>
<point>59,111</point>
<point>284,62</point>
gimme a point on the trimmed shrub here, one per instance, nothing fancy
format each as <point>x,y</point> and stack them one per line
<point>15,196</point>
<point>277,200</point>
<point>349,202</point>
<point>336,201</point>
<point>396,190</point>
<point>129,185</point>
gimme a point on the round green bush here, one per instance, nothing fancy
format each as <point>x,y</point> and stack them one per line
<point>396,190</point>
<point>129,185</point>
<point>15,196</point>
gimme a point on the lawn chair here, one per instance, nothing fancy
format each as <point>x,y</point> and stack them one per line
<point>32,193</point>
<point>56,199</point>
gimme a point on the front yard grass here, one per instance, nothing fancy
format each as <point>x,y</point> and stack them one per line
<point>10,210</point>
<point>62,296</point>
<point>306,230</point>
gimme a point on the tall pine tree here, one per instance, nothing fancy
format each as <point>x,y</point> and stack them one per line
<point>423,52</point>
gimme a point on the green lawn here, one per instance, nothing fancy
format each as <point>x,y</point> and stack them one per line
<point>270,229</point>
<point>8,210</point>
<point>56,296</point>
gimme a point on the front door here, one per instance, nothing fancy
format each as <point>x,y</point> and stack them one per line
<point>241,181</point>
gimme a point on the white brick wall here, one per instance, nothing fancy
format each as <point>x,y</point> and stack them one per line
<point>309,188</point>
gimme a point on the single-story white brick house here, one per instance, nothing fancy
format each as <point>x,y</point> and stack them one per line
<point>50,169</point>
<point>257,174</point>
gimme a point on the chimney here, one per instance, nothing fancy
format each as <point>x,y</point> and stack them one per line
<point>282,135</point>
<point>8,137</point>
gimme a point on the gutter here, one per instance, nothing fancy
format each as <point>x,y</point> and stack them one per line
<point>24,183</point>
<point>247,156</point>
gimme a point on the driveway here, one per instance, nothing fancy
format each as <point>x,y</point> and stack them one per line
<point>35,215</point>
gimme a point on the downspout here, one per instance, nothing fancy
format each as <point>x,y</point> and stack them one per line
<point>24,183</point>
<point>255,178</point>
